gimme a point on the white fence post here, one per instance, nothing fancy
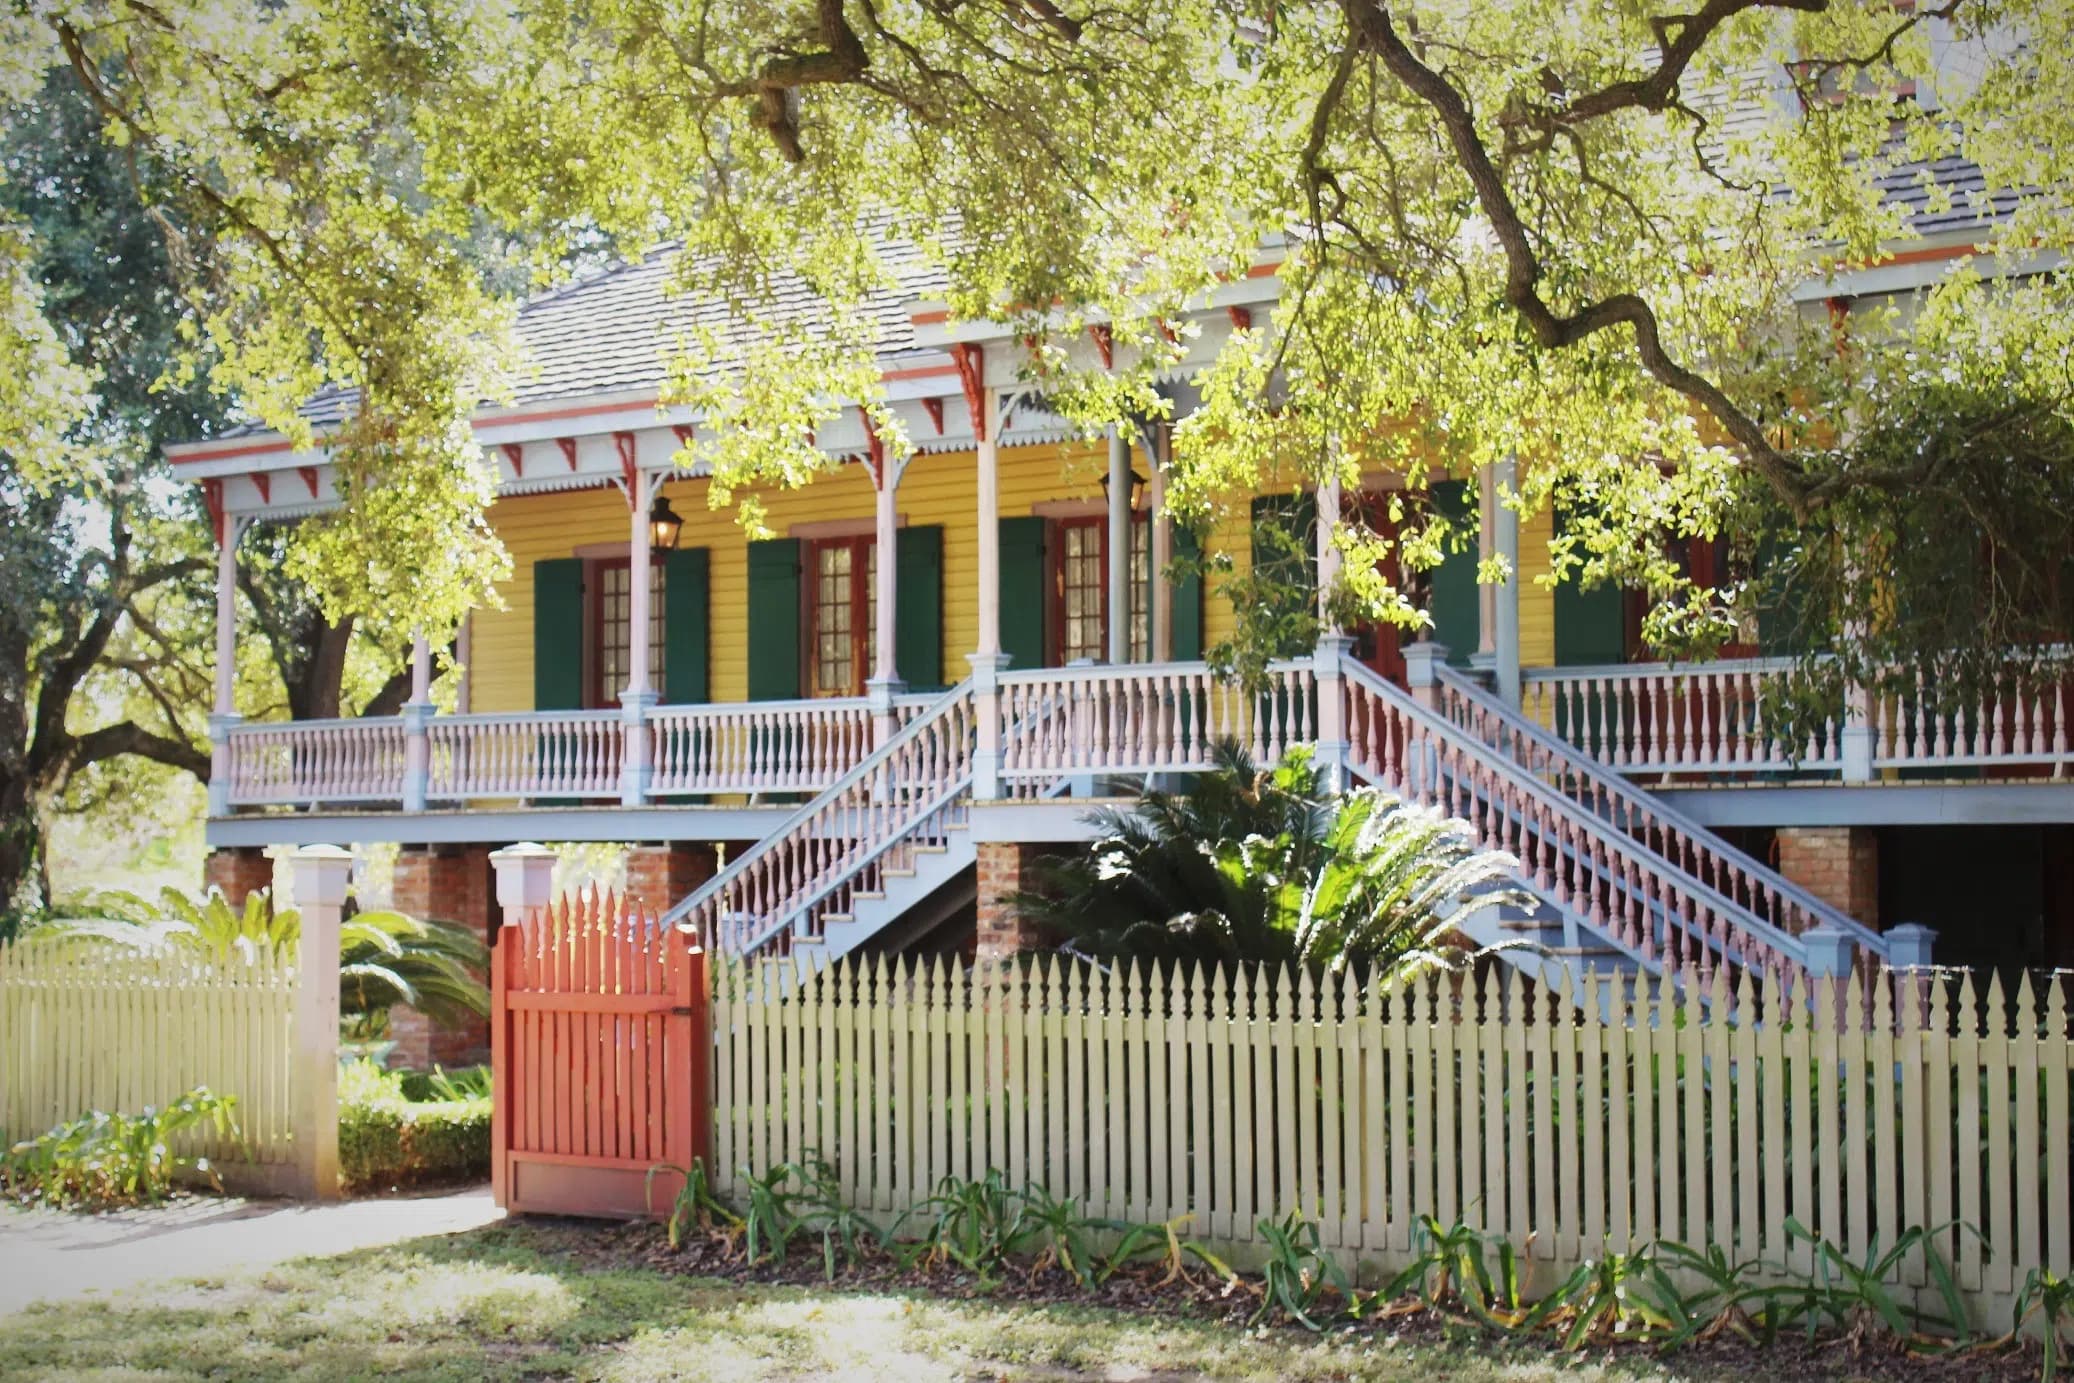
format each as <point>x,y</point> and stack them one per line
<point>525,880</point>
<point>320,875</point>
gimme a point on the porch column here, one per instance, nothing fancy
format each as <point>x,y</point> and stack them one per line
<point>1118,548</point>
<point>417,749</point>
<point>1505,638</point>
<point>636,763</point>
<point>885,683</point>
<point>319,880</point>
<point>223,711</point>
<point>1333,643</point>
<point>1161,534</point>
<point>1486,655</point>
<point>988,660</point>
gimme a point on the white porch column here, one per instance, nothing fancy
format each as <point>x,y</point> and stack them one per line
<point>636,764</point>
<point>1161,534</point>
<point>1505,638</point>
<point>223,716</point>
<point>1486,654</point>
<point>988,660</point>
<point>1333,643</point>
<point>417,749</point>
<point>319,881</point>
<point>1118,547</point>
<point>885,683</point>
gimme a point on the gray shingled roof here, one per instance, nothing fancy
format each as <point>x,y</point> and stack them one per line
<point>611,332</point>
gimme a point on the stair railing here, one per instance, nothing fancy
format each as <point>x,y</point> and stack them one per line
<point>1679,839</point>
<point>898,787</point>
<point>1663,916</point>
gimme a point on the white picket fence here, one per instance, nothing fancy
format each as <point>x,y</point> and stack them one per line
<point>87,1026</point>
<point>1572,1128</point>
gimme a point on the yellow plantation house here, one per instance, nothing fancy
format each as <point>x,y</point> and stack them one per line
<point>856,733</point>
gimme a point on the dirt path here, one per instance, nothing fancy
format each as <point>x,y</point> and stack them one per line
<point>50,1255</point>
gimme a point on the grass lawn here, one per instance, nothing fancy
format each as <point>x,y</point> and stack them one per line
<point>503,1303</point>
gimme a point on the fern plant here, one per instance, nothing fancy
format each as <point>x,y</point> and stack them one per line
<point>114,1159</point>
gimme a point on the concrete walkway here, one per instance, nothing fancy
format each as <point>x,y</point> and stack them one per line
<point>48,1255</point>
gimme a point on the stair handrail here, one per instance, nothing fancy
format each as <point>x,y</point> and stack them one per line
<point>853,866</point>
<point>1590,823</point>
<point>1641,803</point>
<point>814,807</point>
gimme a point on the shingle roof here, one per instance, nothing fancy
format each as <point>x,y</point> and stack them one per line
<point>612,332</point>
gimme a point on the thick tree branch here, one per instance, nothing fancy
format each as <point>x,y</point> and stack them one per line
<point>128,737</point>
<point>1372,26</point>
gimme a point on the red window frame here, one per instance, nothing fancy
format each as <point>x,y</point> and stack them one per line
<point>863,548</point>
<point>601,696</point>
<point>1098,524</point>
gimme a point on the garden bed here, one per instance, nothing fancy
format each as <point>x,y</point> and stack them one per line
<point>1201,1298</point>
<point>398,1129</point>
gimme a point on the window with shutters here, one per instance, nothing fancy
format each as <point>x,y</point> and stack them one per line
<point>1082,613</point>
<point>842,615</point>
<point>611,628</point>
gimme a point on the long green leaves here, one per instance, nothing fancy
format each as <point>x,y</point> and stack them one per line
<point>115,1159</point>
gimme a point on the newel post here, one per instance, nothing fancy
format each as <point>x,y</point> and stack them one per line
<point>1422,663</point>
<point>417,746</point>
<point>320,874</point>
<point>1327,666</point>
<point>1855,740</point>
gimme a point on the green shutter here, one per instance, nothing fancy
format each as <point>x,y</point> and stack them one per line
<point>687,626</point>
<point>558,634</point>
<point>774,613</point>
<point>1457,604</point>
<point>1186,599</point>
<point>1025,602</point>
<point>918,608</point>
<point>1591,626</point>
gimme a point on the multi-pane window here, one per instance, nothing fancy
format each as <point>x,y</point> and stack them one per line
<point>844,619</point>
<point>1083,582</point>
<point>614,625</point>
<point>1083,608</point>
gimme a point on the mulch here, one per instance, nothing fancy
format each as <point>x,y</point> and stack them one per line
<point>1864,1355</point>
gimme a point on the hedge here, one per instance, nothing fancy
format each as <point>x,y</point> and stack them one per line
<point>386,1140</point>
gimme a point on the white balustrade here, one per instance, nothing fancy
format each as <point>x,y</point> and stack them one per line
<point>292,763</point>
<point>2017,722</point>
<point>1578,860</point>
<point>530,754</point>
<point>906,794</point>
<point>759,746</point>
<point>1145,718</point>
<point>1702,718</point>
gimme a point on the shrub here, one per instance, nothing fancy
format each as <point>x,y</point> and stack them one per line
<point>386,1139</point>
<point>114,1159</point>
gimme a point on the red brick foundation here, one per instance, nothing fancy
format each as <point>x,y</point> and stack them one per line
<point>658,876</point>
<point>239,872</point>
<point>1004,870</point>
<point>450,885</point>
<point>1838,864</point>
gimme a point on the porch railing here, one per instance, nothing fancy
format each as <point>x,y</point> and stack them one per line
<point>767,746</point>
<point>1713,719</point>
<point>525,754</point>
<point>1145,718</point>
<point>295,763</point>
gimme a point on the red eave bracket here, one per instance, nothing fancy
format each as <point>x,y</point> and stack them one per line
<point>1105,343</point>
<point>263,483</point>
<point>624,441</point>
<point>515,453</point>
<point>971,363</point>
<point>683,431</point>
<point>212,500</point>
<point>568,446</point>
<point>934,408</point>
<point>875,451</point>
<point>309,478</point>
<point>1241,317</point>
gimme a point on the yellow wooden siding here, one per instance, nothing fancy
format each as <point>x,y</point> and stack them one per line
<point>937,489</point>
<point>1536,601</point>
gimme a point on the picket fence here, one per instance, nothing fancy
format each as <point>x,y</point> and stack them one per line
<point>1574,1124</point>
<point>87,1025</point>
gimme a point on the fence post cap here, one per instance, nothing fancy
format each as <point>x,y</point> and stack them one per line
<point>525,875</point>
<point>321,873</point>
<point>1909,945</point>
<point>1828,951</point>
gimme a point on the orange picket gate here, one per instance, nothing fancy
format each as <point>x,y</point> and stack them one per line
<point>600,1041</point>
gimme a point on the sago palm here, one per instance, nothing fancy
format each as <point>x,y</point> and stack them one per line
<point>385,958</point>
<point>1249,865</point>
